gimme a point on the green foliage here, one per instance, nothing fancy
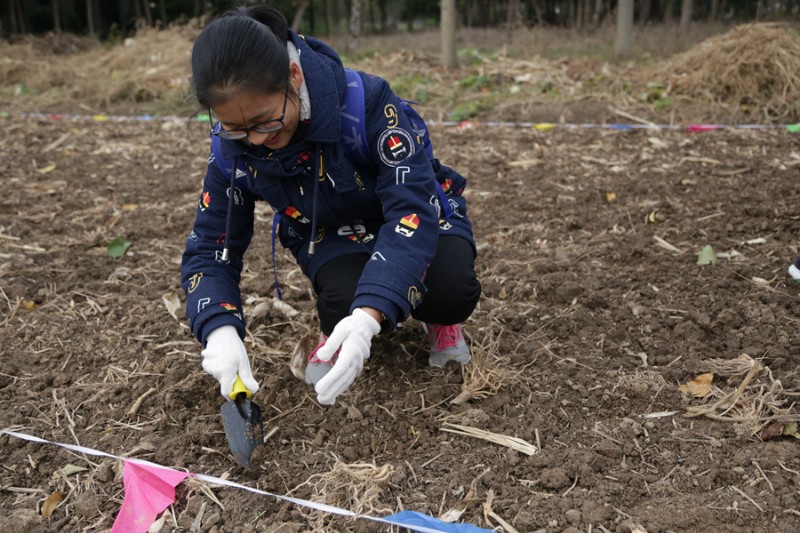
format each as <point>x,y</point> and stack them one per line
<point>476,82</point>
<point>413,87</point>
<point>22,89</point>
<point>471,109</point>
<point>118,247</point>
<point>115,35</point>
<point>707,256</point>
<point>657,95</point>
<point>471,56</point>
<point>548,87</point>
<point>595,80</point>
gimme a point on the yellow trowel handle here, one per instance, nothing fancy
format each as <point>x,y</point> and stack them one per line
<point>238,388</point>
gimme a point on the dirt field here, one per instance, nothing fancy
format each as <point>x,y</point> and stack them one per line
<point>594,313</point>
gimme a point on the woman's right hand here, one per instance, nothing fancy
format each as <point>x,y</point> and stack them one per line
<point>225,357</point>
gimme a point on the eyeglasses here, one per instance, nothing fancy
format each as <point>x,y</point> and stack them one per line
<point>268,126</point>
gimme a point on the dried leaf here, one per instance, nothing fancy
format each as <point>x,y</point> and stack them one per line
<point>771,431</point>
<point>699,387</point>
<point>158,525</point>
<point>130,207</point>
<point>260,310</point>
<point>285,309</point>
<point>49,168</point>
<point>69,470</point>
<point>172,303</point>
<point>610,196</point>
<point>51,503</point>
<point>452,515</point>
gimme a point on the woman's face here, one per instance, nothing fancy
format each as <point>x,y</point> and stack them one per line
<point>246,109</point>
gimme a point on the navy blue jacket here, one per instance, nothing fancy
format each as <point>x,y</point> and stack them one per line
<point>390,210</point>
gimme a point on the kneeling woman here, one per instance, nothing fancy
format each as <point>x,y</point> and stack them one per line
<point>378,241</point>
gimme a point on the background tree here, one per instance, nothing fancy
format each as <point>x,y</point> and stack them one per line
<point>624,41</point>
<point>339,16</point>
<point>297,21</point>
<point>56,17</point>
<point>686,16</point>
<point>90,16</point>
<point>448,31</point>
<point>355,24</point>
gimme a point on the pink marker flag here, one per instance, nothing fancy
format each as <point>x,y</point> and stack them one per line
<point>148,491</point>
<point>699,128</point>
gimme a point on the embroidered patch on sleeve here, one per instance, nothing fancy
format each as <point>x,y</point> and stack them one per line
<point>407,225</point>
<point>395,145</point>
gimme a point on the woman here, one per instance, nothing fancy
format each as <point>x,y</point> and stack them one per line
<point>374,241</point>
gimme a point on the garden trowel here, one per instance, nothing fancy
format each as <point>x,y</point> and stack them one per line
<point>241,419</point>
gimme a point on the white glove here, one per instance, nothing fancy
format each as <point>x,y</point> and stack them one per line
<point>225,357</point>
<point>354,335</point>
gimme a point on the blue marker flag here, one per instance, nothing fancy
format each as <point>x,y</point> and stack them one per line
<point>411,519</point>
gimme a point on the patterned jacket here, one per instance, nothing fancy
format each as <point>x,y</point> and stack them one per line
<point>390,210</point>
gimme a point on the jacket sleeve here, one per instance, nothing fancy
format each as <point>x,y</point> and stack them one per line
<point>211,284</point>
<point>392,281</point>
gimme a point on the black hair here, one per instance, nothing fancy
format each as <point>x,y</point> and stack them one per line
<point>243,49</point>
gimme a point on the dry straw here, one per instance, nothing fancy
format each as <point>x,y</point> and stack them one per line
<point>758,399</point>
<point>355,486</point>
<point>753,66</point>
<point>484,375</point>
<point>514,443</point>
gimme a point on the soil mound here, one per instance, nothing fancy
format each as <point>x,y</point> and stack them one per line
<point>753,68</point>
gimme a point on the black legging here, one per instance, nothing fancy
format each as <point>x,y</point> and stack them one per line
<point>453,287</point>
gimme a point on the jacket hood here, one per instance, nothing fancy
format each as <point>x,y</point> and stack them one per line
<point>325,79</point>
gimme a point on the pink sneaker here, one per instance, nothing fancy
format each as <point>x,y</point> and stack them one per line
<point>316,369</point>
<point>447,345</point>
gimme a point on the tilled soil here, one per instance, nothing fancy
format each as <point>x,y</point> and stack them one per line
<point>594,312</point>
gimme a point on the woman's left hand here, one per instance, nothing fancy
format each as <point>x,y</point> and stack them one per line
<point>354,335</point>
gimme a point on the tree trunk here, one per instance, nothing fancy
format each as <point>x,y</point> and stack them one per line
<point>577,19</point>
<point>90,16</point>
<point>384,16</point>
<point>369,14</point>
<point>148,15</point>
<point>297,21</point>
<point>686,16</point>
<point>12,16</point>
<point>669,11</point>
<point>644,14</point>
<point>513,18</point>
<point>162,11</point>
<point>537,9</point>
<point>448,31</point>
<point>355,24</point>
<point>199,7</point>
<point>598,13</point>
<point>624,41</point>
<point>328,13</point>
<point>56,17</point>
<point>762,9</point>
<point>137,12</point>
